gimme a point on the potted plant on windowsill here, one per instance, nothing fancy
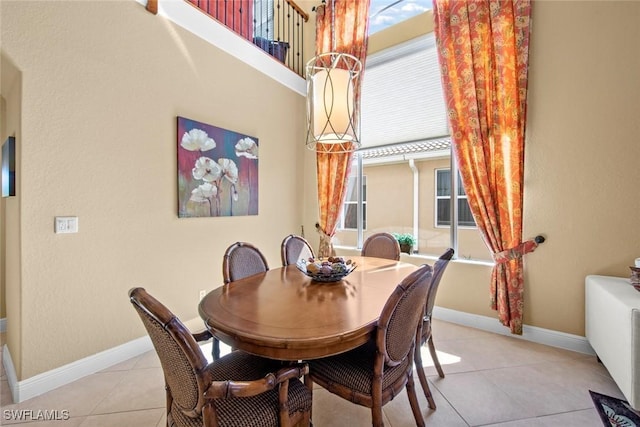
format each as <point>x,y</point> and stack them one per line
<point>406,241</point>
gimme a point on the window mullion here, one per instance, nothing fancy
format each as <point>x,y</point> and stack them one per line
<point>359,207</point>
<point>454,203</point>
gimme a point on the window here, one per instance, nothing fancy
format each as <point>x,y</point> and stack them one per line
<point>443,201</point>
<point>402,99</point>
<point>349,219</point>
<point>385,13</point>
<point>406,158</point>
<point>263,19</point>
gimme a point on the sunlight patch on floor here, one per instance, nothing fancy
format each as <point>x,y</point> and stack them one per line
<point>444,358</point>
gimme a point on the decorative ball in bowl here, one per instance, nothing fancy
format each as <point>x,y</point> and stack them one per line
<point>331,269</point>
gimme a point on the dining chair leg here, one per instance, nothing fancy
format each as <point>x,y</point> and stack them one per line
<point>376,416</point>
<point>309,384</point>
<point>283,392</point>
<point>423,379</point>
<point>413,401</point>
<point>215,349</point>
<point>434,356</point>
<point>304,422</point>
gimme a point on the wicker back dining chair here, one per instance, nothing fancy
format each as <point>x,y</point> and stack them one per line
<point>237,390</point>
<point>373,374</point>
<point>426,332</point>
<point>242,260</point>
<point>294,248</point>
<point>381,245</point>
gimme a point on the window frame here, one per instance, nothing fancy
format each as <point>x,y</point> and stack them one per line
<point>358,189</point>
<point>452,200</point>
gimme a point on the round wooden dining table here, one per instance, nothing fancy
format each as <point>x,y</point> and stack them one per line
<point>283,314</point>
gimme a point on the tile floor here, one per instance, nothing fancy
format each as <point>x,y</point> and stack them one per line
<point>491,380</point>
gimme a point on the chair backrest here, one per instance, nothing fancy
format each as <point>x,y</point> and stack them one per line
<point>398,323</point>
<point>438,271</point>
<point>178,351</point>
<point>242,260</point>
<point>381,245</point>
<point>295,248</point>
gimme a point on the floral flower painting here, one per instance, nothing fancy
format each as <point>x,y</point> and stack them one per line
<point>217,171</point>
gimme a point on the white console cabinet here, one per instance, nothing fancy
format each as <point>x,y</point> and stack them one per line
<point>613,329</point>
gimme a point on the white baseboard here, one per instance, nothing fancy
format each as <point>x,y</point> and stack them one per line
<point>47,381</point>
<point>3,325</point>
<point>529,333</point>
<point>10,371</point>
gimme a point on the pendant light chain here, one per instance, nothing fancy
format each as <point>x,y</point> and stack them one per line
<point>333,25</point>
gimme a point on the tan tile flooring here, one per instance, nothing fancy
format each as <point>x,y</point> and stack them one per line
<point>491,380</point>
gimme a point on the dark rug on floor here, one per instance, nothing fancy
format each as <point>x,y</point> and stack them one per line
<point>614,412</point>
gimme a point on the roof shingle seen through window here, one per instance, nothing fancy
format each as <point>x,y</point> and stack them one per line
<point>407,148</point>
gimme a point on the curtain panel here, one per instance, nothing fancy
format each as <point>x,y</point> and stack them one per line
<point>483,49</point>
<point>341,26</point>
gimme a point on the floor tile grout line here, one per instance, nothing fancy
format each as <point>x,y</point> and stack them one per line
<point>97,405</point>
<point>499,368</point>
<point>107,414</point>
<point>488,377</point>
<point>479,425</point>
<point>537,417</point>
<point>450,404</point>
<point>499,386</point>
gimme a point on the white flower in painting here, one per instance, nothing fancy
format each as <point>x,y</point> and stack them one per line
<point>207,170</point>
<point>204,193</point>
<point>229,170</point>
<point>197,139</point>
<point>247,147</point>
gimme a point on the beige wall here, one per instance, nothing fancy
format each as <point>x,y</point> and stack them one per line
<point>583,146</point>
<point>11,79</point>
<point>406,30</point>
<point>102,85</point>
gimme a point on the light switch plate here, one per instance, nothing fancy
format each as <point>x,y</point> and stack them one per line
<point>66,224</point>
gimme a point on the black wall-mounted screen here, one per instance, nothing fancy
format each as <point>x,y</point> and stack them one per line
<point>9,167</point>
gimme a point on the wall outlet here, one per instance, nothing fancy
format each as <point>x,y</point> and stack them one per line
<point>202,293</point>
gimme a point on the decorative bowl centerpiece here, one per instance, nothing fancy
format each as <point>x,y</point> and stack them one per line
<point>331,269</point>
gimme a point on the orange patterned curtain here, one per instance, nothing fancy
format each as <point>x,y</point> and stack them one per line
<point>483,49</point>
<point>351,21</point>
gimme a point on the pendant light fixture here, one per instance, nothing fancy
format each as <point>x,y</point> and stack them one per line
<point>333,79</point>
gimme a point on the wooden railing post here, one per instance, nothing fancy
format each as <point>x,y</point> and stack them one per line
<point>301,12</point>
<point>152,6</point>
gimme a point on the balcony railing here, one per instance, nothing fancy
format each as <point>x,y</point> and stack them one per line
<point>275,26</point>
